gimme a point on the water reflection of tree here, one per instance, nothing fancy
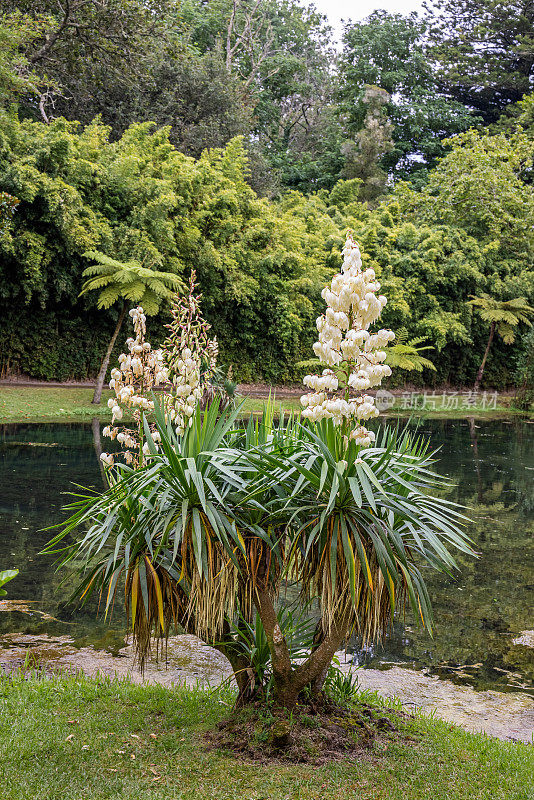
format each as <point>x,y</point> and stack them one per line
<point>478,615</point>
<point>97,443</point>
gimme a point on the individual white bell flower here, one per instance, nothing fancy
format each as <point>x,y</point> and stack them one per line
<point>107,459</point>
<point>137,366</point>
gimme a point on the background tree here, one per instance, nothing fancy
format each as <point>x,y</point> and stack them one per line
<point>480,187</point>
<point>89,49</point>
<point>19,82</point>
<point>525,374</point>
<point>282,52</point>
<point>484,50</point>
<point>128,282</point>
<point>388,51</point>
<point>504,316</point>
<point>8,205</point>
<point>364,156</point>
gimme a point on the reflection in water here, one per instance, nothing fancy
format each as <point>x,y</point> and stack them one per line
<point>477,617</point>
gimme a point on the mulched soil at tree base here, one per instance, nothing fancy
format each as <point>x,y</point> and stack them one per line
<point>313,736</point>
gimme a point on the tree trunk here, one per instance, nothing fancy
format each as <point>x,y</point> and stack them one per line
<point>480,372</point>
<point>105,363</point>
<point>313,671</point>
<point>288,681</point>
<point>285,691</point>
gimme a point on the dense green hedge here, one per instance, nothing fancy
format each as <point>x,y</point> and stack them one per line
<point>261,264</point>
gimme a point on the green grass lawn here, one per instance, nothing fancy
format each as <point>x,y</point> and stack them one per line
<point>70,404</point>
<point>76,738</point>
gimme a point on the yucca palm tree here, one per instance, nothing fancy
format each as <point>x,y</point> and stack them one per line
<point>504,316</point>
<point>125,282</point>
<point>208,530</point>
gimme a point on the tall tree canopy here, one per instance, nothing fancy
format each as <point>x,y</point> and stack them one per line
<point>388,51</point>
<point>484,50</point>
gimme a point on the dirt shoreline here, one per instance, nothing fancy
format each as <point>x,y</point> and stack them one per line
<point>257,390</point>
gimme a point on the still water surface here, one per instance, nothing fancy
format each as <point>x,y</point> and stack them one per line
<point>477,616</point>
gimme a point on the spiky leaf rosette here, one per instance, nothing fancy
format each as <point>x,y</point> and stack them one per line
<point>363,524</point>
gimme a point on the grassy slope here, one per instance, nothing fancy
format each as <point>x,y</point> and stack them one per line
<point>63,404</point>
<point>72,738</point>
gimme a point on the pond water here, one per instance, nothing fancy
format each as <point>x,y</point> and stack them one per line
<point>480,617</point>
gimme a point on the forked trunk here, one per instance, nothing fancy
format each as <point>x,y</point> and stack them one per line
<point>480,372</point>
<point>105,363</point>
<point>289,681</point>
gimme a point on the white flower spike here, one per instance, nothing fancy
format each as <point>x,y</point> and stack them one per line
<point>353,356</point>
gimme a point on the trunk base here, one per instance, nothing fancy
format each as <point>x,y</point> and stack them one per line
<point>311,733</point>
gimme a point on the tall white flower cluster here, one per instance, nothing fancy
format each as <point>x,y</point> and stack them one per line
<point>139,372</point>
<point>353,356</point>
<point>190,356</point>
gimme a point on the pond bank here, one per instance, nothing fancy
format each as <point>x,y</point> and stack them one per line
<point>508,716</point>
<point>32,402</point>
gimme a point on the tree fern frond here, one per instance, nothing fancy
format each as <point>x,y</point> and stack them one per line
<point>506,332</point>
<point>150,302</point>
<point>498,315</point>
<point>519,303</point>
<point>407,354</point>
<point>97,283</point>
<point>98,269</point>
<point>109,296</point>
<point>134,291</point>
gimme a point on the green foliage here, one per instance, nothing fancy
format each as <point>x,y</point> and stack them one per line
<point>479,187</point>
<point>524,376</point>
<point>504,315</point>
<point>137,199</point>
<point>388,51</point>
<point>8,205</point>
<point>261,264</point>
<point>483,49</point>
<point>339,686</point>
<point>5,576</point>
<point>371,143</point>
<point>128,281</point>
<point>18,78</point>
<point>406,353</point>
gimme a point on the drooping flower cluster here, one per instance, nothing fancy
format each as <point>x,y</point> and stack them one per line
<point>190,356</point>
<point>139,372</point>
<point>353,356</point>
